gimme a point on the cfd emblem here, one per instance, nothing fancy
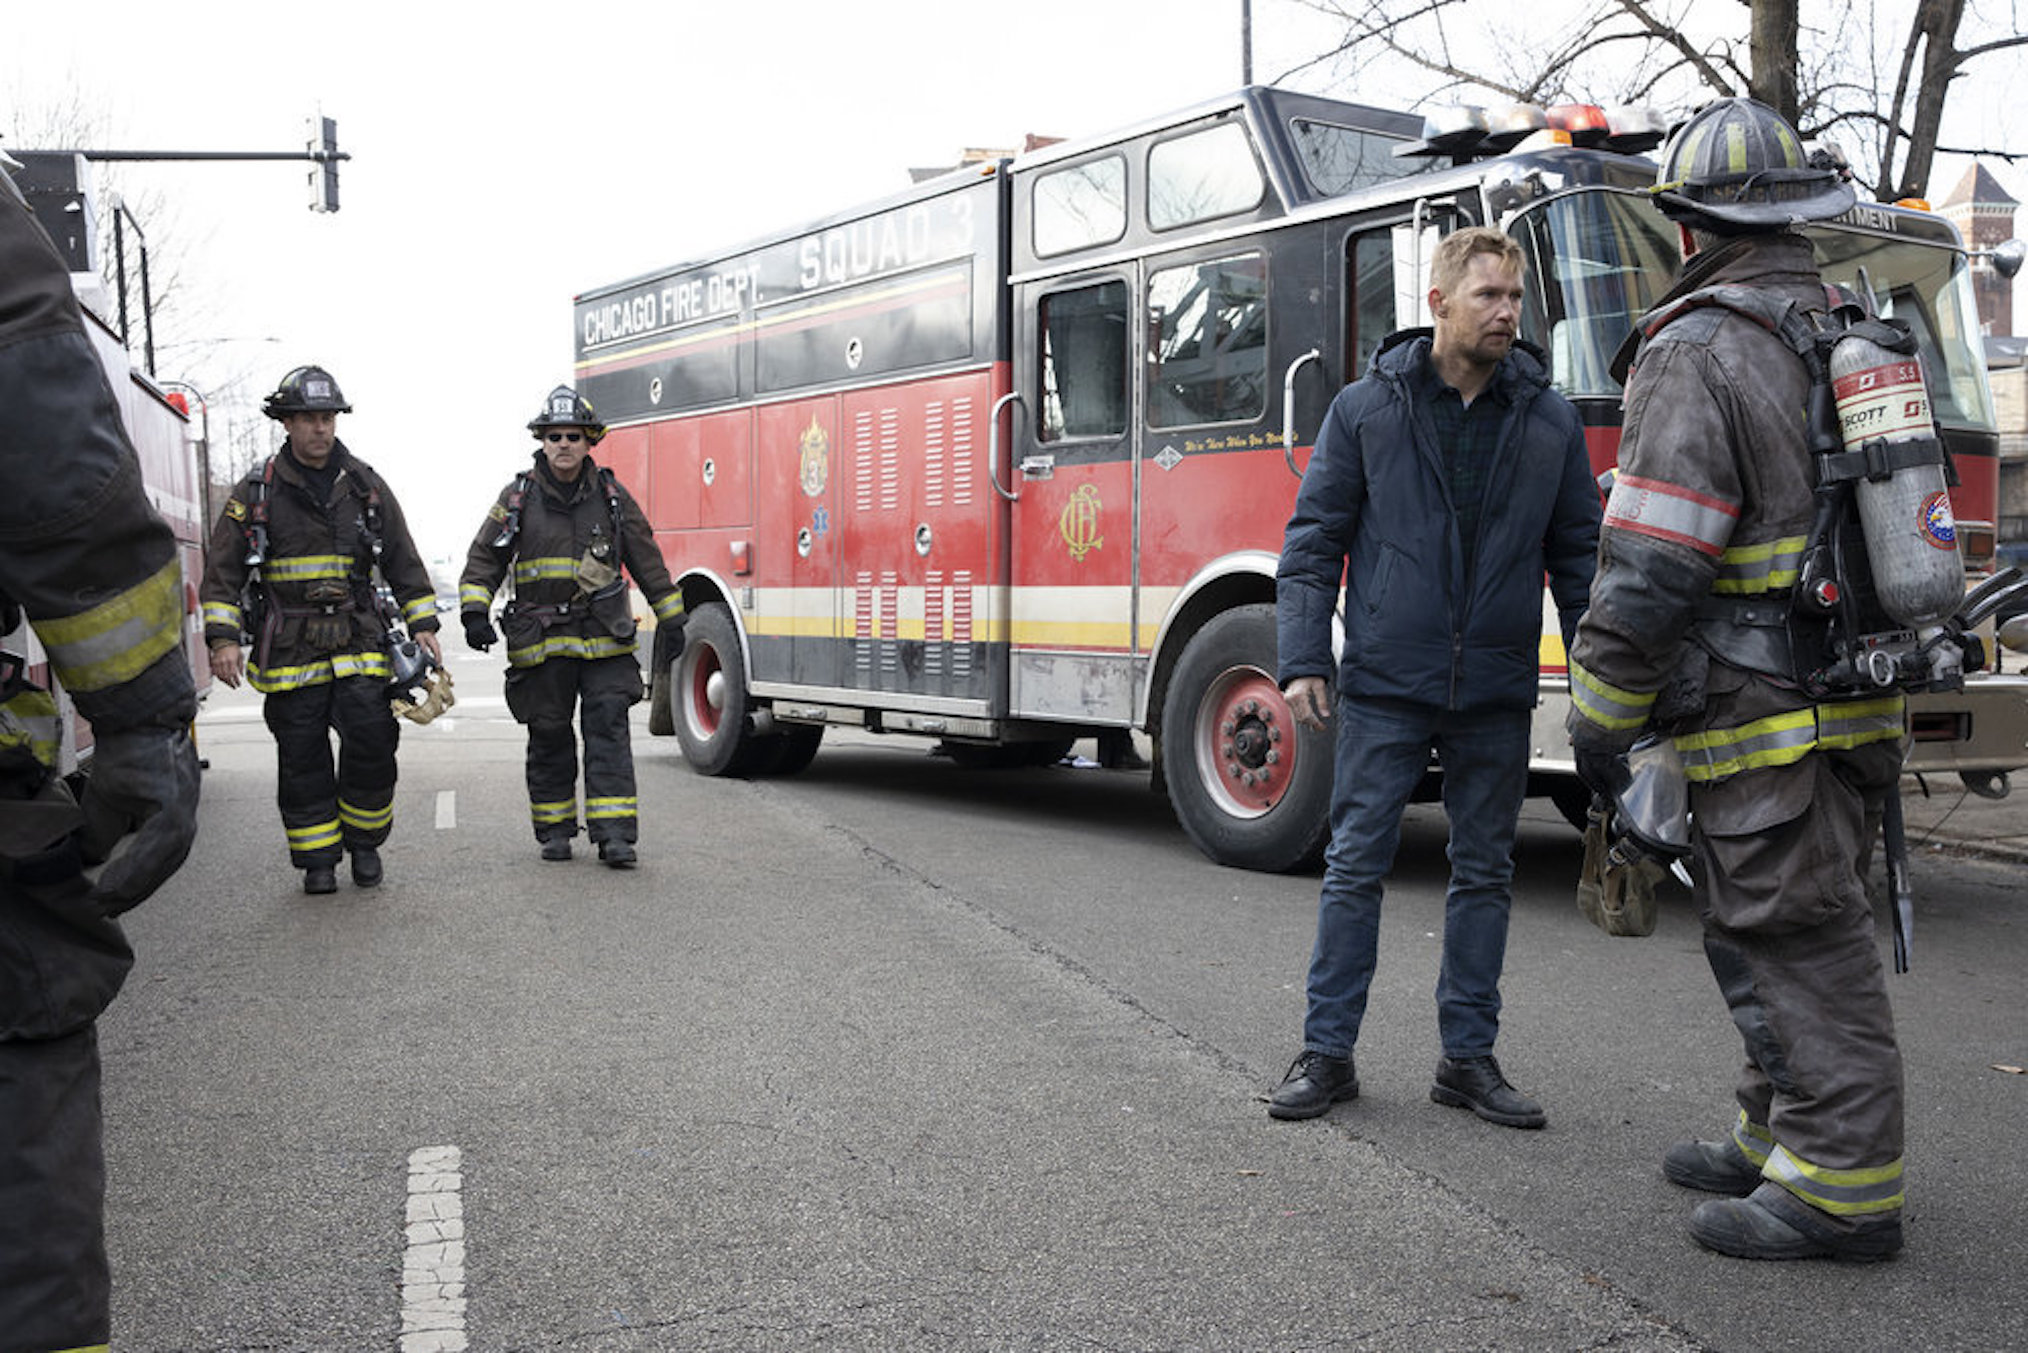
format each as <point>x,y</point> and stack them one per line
<point>815,471</point>
<point>1079,524</point>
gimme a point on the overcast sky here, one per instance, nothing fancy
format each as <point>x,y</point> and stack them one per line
<point>506,158</point>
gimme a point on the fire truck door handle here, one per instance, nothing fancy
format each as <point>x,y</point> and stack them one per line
<point>1289,407</point>
<point>993,443</point>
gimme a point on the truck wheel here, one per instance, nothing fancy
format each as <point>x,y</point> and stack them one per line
<point>1251,787</point>
<point>709,696</point>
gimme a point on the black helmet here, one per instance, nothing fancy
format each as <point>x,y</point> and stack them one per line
<point>1737,167</point>
<point>307,389</point>
<point>566,408</point>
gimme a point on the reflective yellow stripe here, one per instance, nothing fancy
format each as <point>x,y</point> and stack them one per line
<point>474,594</point>
<point>223,613</point>
<point>267,680</point>
<point>1784,739</point>
<point>1770,566</point>
<point>412,611</point>
<point>117,640</point>
<point>1607,705</point>
<point>536,570</point>
<point>1842,1193</point>
<point>1754,1141</point>
<point>610,806</point>
<point>307,567</point>
<point>669,607</point>
<point>569,646</point>
<point>365,819</point>
<point>28,720</point>
<point>85,1348</point>
<point>561,810</point>
<point>314,837</point>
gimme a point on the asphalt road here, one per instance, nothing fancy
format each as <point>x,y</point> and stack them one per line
<point>895,1054</point>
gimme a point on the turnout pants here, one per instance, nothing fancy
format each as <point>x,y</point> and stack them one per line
<point>326,808</point>
<point>1789,933</point>
<point>599,691</point>
<point>60,964</point>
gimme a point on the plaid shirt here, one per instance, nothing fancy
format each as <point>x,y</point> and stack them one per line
<point>1466,436</point>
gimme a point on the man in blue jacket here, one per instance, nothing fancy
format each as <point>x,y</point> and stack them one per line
<point>1446,483</point>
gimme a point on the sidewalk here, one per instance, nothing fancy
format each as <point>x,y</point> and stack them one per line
<point>1952,818</point>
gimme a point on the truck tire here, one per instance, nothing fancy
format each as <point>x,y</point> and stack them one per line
<point>1250,787</point>
<point>787,751</point>
<point>708,695</point>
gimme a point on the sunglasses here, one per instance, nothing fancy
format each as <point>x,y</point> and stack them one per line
<point>572,437</point>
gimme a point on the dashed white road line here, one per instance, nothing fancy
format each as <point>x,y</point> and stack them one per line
<point>447,809</point>
<point>433,1270</point>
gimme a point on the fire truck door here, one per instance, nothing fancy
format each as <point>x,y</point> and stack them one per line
<point>1073,472</point>
<point>797,639</point>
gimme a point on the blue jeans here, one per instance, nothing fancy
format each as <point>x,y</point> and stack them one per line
<point>1383,750</point>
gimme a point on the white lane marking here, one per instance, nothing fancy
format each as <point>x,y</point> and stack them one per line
<point>447,809</point>
<point>433,1270</point>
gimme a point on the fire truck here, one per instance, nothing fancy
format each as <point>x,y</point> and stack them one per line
<point>158,425</point>
<point>1004,460</point>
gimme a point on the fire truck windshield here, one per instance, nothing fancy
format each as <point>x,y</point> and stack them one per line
<point>1929,286</point>
<point>1597,259</point>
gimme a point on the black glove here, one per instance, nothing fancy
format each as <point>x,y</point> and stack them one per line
<point>1604,773</point>
<point>479,631</point>
<point>140,811</point>
<point>669,643</point>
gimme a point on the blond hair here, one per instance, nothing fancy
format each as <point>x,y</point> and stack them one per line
<point>1455,252</point>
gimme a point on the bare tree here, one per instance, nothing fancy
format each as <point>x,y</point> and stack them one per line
<point>1880,68</point>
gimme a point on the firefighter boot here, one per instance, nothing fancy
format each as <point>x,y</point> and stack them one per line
<point>366,868</point>
<point>556,848</point>
<point>1714,1167</point>
<point>320,878</point>
<point>617,854</point>
<point>1772,1223</point>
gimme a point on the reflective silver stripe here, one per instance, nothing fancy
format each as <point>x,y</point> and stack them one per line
<point>365,819</point>
<point>1854,723</point>
<point>117,640</point>
<point>1842,1193</point>
<point>669,607</point>
<point>270,679</point>
<point>1606,705</point>
<point>1650,507</point>
<point>1770,566</point>
<point>473,594</point>
<point>417,609</point>
<point>223,613</point>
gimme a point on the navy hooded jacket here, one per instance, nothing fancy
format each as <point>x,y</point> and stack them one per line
<point>1375,497</point>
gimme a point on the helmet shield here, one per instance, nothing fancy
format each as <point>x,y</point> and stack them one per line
<point>566,408</point>
<point>1737,168</point>
<point>307,389</point>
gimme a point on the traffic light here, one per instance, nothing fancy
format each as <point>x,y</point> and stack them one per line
<point>324,150</point>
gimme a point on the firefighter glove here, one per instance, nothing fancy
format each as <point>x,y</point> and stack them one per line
<point>140,811</point>
<point>1604,773</point>
<point>479,631</point>
<point>668,643</point>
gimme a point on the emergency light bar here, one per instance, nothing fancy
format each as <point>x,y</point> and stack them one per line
<point>1467,132</point>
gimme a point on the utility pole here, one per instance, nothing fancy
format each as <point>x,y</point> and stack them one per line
<point>1246,42</point>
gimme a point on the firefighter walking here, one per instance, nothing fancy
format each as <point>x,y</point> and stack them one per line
<point>296,560</point>
<point>95,572</point>
<point>1695,630</point>
<point>561,532</point>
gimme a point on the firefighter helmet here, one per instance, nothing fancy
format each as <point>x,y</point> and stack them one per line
<point>307,389</point>
<point>566,408</point>
<point>1737,167</point>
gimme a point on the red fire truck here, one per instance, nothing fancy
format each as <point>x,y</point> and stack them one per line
<point>1004,460</point>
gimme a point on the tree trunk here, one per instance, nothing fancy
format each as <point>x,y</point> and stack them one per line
<point>1772,48</point>
<point>1936,29</point>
